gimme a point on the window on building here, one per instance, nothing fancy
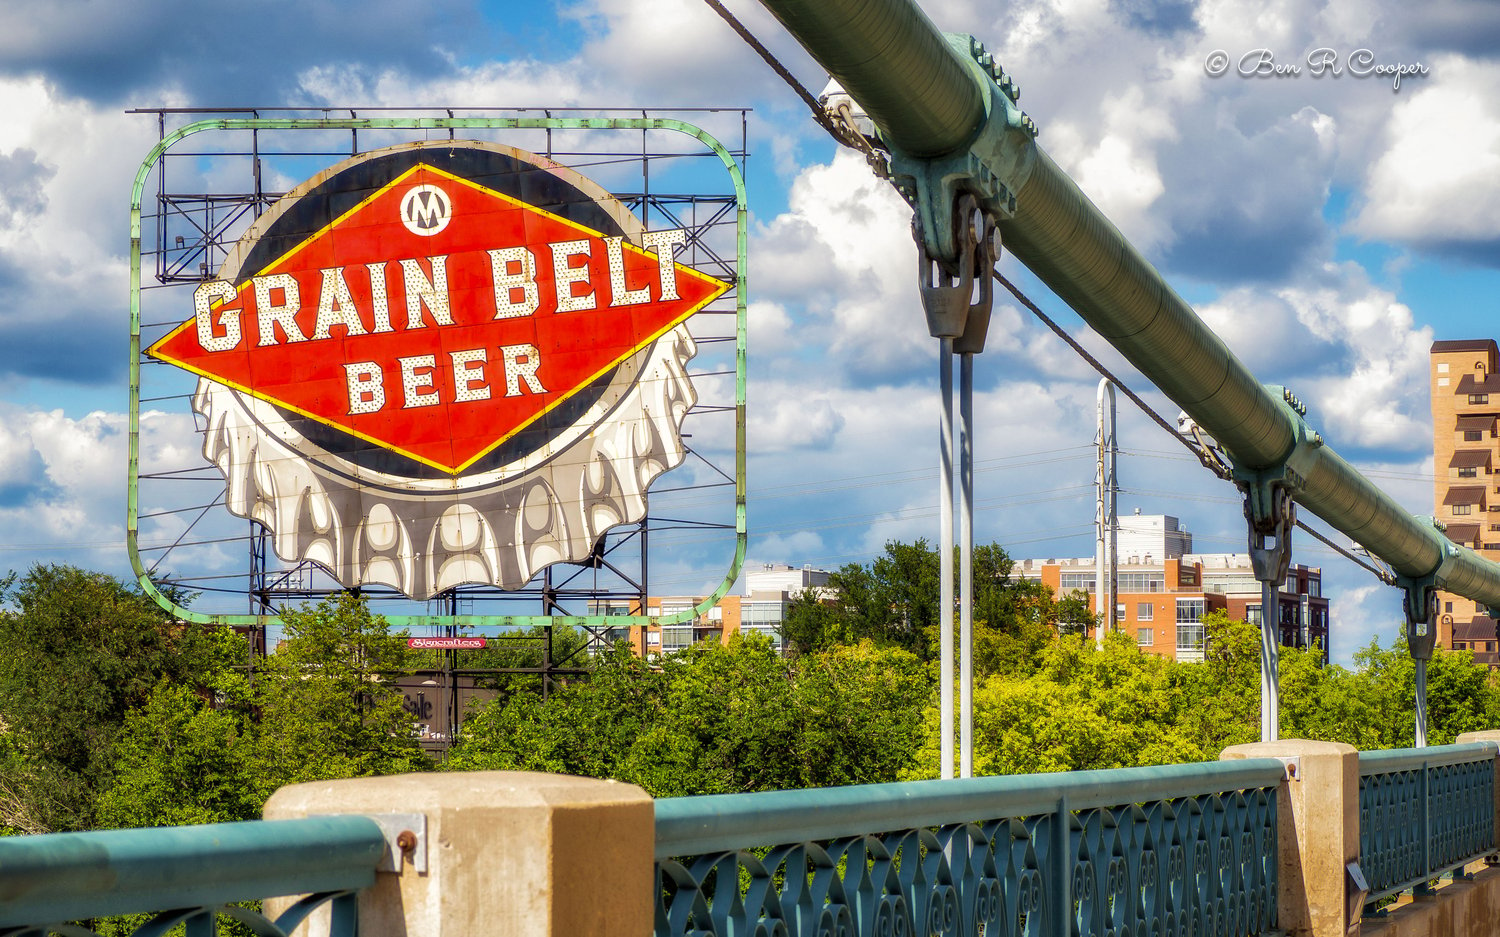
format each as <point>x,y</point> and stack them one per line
<point>1143,611</point>
<point>1071,581</point>
<point>1468,471</point>
<point>1473,435</point>
<point>676,637</point>
<point>1463,509</point>
<point>1442,367</point>
<point>1477,399</point>
<point>764,618</point>
<point>1290,585</point>
<point>1120,612</point>
<point>1189,624</point>
<point>1188,577</point>
<point>1252,614</point>
<point>1448,607</point>
<point>1143,637</point>
<point>1314,587</point>
<point>653,637</point>
<point>1142,582</point>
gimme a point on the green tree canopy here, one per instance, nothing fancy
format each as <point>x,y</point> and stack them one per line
<point>327,701</point>
<point>78,651</point>
<point>715,719</point>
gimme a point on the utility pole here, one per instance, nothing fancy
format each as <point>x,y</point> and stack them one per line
<point>1106,518</point>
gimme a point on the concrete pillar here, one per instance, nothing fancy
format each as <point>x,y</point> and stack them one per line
<point>1488,736</point>
<point>508,853</point>
<point>1318,818</point>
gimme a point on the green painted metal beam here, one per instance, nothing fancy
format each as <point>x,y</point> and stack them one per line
<point>76,876</point>
<point>910,80</point>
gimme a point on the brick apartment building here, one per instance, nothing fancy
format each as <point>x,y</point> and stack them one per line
<point>1466,493</point>
<point>1164,589</point>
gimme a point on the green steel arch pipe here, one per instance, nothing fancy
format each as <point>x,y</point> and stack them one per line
<point>929,102</point>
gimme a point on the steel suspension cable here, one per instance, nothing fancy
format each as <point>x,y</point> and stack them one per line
<point>841,137</point>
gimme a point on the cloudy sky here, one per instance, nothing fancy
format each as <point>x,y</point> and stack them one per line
<point>1329,227</point>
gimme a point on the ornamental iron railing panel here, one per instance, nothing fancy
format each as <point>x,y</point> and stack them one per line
<point>1177,849</point>
<point>63,883</point>
<point>1424,812</point>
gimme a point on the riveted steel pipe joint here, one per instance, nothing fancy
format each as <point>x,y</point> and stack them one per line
<point>1420,599</point>
<point>1288,475</point>
<point>991,166</point>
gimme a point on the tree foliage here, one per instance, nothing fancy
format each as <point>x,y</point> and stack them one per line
<point>115,715</point>
<point>78,652</point>
<point>893,602</point>
<point>715,719</point>
<point>327,703</point>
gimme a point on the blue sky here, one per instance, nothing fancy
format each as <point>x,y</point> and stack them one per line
<point>1329,227</point>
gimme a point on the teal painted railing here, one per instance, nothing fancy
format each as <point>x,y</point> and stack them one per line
<point>1424,812</point>
<point>1177,849</point>
<point>188,875</point>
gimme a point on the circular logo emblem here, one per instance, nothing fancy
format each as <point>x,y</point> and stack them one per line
<point>426,210</point>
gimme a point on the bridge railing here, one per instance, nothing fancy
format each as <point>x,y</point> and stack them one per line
<point>1270,839</point>
<point>1424,812</point>
<point>1172,849</point>
<point>189,875</point>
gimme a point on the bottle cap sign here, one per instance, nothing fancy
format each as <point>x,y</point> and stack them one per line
<point>443,363</point>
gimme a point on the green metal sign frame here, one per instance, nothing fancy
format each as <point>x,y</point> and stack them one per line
<point>132,527</point>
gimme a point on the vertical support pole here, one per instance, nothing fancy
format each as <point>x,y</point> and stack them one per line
<point>945,553</point>
<point>1112,517</point>
<point>1101,513</point>
<point>1422,887</point>
<point>1271,514</point>
<point>1270,657</point>
<point>1106,518</point>
<point>966,564</point>
<point>1421,607</point>
<point>1062,858</point>
<point>958,318</point>
<point>1421,702</point>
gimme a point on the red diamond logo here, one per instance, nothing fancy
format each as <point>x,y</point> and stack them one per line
<point>438,318</point>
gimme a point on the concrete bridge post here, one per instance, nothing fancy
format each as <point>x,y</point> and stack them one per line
<point>1318,816</point>
<point>505,853</point>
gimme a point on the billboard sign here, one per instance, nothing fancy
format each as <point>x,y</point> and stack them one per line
<point>443,363</point>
